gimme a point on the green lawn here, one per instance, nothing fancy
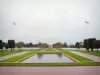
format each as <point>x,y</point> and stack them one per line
<point>92,53</point>
<point>16,58</point>
<point>6,52</point>
<point>83,61</point>
<point>50,49</point>
<point>33,49</point>
<point>52,64</point>
<point>77,57</point>
<point>60,49</point>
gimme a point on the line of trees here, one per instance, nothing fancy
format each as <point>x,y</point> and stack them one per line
<point>11,44</point>
<point>90,43</point>
<point>79,45</point>
<point>42,45</point>
<point>1,44</point>
<point>27,45</point>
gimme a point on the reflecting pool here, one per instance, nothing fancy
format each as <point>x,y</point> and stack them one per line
<point>48,58</point>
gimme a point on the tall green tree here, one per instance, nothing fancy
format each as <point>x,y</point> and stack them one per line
<point>65,45</point>
<point>77,45</point>
<point>20,44</point>
<point>30,45</point>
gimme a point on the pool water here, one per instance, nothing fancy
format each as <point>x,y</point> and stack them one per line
<point>48,58</point>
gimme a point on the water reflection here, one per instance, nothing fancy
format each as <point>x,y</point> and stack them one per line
<point>39,56</point>
<point>59,55</point>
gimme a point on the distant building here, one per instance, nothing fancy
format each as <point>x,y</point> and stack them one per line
<point>50,46</point>
<point>58,45</point>
<point>42,45</point>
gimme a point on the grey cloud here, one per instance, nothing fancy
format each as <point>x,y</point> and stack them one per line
<point>49,20</point>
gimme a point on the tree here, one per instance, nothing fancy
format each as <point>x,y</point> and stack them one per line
<point>65,45</point>
<point>77,45</point>
<point>11,44</point>
<point>71,46</point>
<point>58,45</point>
<point>42,45</point>
<point>20,44</point>
<point>1,44</point>
<point>6,45</point>
<point>30,45</point>
<point>35,45</point>
<point>81,44</point>
<point>96,44</point>
<point>88,43</point>
<point>85,45</point>
<point>26,45</point>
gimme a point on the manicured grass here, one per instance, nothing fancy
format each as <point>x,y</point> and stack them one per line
<point>83,61</point>
<point>77,57</point>
<point>60,49</point>
<point>50,49</point>
<point>16,58</point>
<point>5,52</point>
<point>89,52</point>
<point>33,49</point>
<point>52,64</point>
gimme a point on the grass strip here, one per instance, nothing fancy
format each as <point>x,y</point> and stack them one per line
<point>16,58</point>
<point>5,52</point>
<point>52,64</point>
<point>77,57</point>
<point>33,49</point>
<point>50,49</point>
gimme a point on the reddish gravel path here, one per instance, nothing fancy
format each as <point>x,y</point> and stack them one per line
<point>92,57</point>
<point>78,70</point>
<point>11,55</point>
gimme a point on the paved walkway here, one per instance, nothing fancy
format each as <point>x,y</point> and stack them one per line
<point>78,70</point>
<point>56,49</point>
<point>11,55</point>
<point>43,49</point>
<point>92,57</point>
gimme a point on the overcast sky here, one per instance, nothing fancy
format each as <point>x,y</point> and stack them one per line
<point>49,21</point>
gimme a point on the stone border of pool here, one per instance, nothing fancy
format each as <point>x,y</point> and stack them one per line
<point>70,57</point>
<point>46,52</point>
